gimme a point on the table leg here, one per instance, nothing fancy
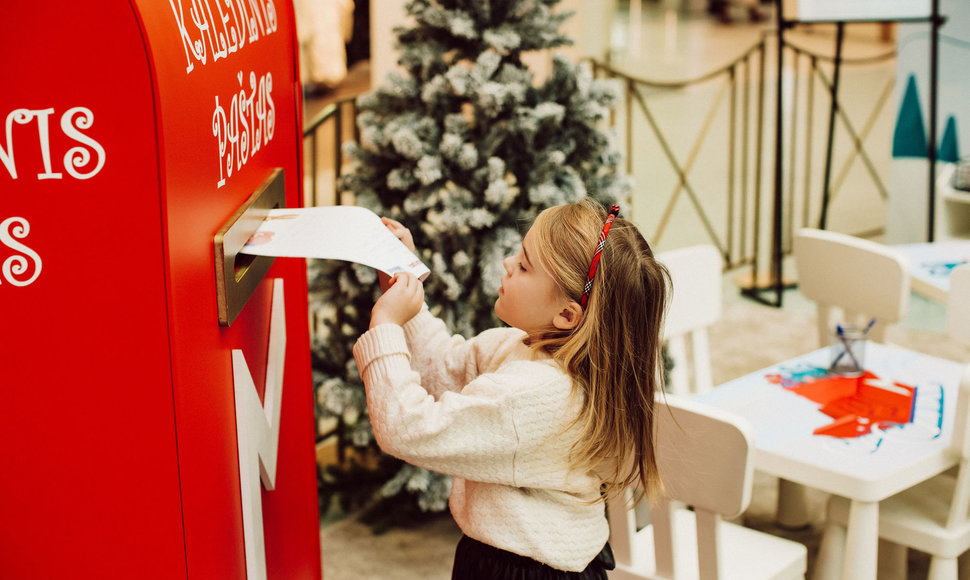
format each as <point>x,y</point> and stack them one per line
<point>861,541</point>
<point>831,552</point>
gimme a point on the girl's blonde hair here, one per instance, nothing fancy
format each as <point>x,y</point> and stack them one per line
<point>614,353</point>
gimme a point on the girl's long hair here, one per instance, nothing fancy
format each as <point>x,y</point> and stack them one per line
<point>614,353</point>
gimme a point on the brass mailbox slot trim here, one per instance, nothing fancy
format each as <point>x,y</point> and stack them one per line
<point>238,275</point>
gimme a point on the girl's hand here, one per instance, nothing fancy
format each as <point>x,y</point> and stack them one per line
<point>401,233</point>
<point>401,301</point>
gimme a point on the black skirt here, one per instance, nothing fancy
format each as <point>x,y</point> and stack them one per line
<point>477,561</point>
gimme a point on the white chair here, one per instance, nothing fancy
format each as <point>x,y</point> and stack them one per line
<point>931,517</point>
<point>958,304</point>
<point>851,280</point>
<point>695,273</point>
<point>705,461</point>
<point>861,278</point>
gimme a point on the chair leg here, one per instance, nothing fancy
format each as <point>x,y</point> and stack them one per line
<point>942,569</point>
<point>892,561</point>
<point>792,505</point>
<point>831,553</point>
<point>963,565</point>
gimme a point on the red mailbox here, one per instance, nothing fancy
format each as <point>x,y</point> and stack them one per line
<point>148,387</point>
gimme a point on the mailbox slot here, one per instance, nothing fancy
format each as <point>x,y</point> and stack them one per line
<point>238,275</point>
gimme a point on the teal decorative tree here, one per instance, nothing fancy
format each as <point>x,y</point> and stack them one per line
<point>464,147</point>
<point>909,137</point>
<point>949,150</point>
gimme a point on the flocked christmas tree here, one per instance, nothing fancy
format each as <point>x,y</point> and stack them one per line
<point>465,147</point>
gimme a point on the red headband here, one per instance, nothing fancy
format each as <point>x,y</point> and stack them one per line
<point>614,211</point>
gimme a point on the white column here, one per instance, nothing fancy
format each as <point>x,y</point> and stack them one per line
<point>384,16</point>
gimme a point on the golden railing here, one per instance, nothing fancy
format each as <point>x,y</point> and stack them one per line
<point>333,125</point>
<point>736,210</point>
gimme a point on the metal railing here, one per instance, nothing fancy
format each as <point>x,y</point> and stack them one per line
<point>322,169</point>
<point>817,82</point>
<point>731,190</point>
<point>323,166</point>
<point>742,189</point>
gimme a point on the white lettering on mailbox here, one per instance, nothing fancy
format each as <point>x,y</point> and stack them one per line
<point>72,121</point>
<point>222,31</point>
<point>258,433</point>
<point>77,157</point>
<point>249,124</point>
<point>17,265</point>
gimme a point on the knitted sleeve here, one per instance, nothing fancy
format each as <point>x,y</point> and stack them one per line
<point>471,434</point>
<point>448,362</point>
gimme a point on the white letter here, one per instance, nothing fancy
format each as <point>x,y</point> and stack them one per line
<point>79,156</point>
<point>270,111</point>
<point>258,433</point>
<point>44,134</point>
<point>21,116</point>
<point>219,132</point>
<point>17,265</point>
<point>196,49</point>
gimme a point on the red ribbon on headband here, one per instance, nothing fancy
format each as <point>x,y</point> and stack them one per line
<point>613,213</point>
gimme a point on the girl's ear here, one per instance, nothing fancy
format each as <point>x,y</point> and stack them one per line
<point>569,316</point>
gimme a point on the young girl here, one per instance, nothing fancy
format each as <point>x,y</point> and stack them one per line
<point>538,422</point>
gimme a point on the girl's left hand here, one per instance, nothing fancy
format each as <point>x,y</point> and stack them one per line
<point>400,302</point>
<point>401,233</point>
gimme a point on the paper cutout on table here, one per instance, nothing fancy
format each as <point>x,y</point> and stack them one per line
<point>350,233</point>
<point>858,404</point>
<point>925,426</point>
<point>927,421</point>
<point>943,268</point>
<point>933,262</point>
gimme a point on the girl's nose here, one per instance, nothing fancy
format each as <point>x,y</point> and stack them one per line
<point>507,262</point>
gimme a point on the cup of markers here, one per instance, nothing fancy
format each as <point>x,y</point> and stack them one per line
<point>848,349</point>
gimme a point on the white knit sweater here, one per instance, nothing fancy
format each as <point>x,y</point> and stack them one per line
<point>497,417</point>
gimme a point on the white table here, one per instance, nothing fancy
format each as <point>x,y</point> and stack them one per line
<point>930,265</point>
<point>883,460</point>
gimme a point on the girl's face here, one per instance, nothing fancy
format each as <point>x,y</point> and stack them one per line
<point>528,298</point>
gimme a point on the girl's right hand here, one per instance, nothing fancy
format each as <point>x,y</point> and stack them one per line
<point>401,233</point>
<point>400,302</point>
